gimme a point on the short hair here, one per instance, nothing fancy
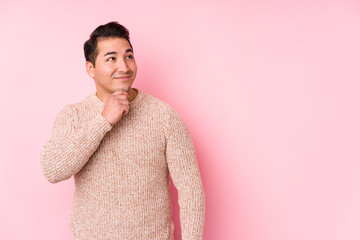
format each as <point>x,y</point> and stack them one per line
<point>109,30</point>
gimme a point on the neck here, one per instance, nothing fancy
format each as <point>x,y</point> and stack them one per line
<point>132,94</point>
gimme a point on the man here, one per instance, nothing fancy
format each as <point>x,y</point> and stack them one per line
<point>121,144</point>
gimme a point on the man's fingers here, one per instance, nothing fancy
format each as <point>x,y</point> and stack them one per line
<point>124,104</point>
<point>121,97</point>
<point>126,109</point>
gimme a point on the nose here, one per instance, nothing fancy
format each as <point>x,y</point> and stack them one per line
<point>122,66</point>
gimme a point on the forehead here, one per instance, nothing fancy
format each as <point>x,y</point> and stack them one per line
<point>119,45</point>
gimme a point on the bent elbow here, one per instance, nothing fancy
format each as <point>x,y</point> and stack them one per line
<point>49,170</point>
<point>53,176</point>
<point>50,175</point>
<point>52,180</point>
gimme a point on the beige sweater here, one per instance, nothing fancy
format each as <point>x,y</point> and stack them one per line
<point>121,172</point>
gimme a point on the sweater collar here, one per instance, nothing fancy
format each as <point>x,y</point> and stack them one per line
<point>100,105</point>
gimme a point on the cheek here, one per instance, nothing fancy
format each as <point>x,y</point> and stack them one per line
<point>105,71</point>
<point>133,67</point>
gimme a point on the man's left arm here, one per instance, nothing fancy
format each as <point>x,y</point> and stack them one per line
<point>184,171</point>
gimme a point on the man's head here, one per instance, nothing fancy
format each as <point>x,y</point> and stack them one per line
<point>110,59</point>
<point>109,30</point>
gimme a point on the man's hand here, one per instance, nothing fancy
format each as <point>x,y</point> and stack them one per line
<point>116,105</point>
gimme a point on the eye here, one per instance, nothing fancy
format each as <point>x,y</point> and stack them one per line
<point>129,57</point>
<point>110,59</point>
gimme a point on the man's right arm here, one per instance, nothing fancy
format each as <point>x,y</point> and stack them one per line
<point>71,144</point>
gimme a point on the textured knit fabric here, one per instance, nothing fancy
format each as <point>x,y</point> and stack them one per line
<point>122,171</point>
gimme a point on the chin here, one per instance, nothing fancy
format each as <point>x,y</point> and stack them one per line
<point>125,88</point>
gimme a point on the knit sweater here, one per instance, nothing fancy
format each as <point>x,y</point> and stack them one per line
<point>121,171</point>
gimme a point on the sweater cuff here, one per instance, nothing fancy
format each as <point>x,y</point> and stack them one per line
<point>105,125</point>
<point>102,124</point>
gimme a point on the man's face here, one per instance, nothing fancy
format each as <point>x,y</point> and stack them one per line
<point>115,66</point>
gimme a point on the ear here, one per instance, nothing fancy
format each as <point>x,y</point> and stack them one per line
<point>90,69</point>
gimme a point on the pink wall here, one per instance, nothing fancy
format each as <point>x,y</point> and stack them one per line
<point>270,93</point>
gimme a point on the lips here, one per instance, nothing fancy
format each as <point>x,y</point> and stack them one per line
<point>122,78</point>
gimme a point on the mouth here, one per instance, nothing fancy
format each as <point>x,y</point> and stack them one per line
<point>122,78</point>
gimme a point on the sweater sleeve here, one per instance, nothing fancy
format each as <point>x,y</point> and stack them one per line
<point>71,144</point>
<point>184,171</point>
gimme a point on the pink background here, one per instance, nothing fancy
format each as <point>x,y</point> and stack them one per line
<point>269,90</point>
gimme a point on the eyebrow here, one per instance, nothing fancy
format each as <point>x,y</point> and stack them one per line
<point>110,53</point>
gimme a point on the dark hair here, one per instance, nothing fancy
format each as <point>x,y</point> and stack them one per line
<point>109,30</point>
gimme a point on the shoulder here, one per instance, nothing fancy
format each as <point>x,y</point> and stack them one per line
<point>67,115</point>
<point>71,111</point>
<point>158,105</point>
<point>162,112</point>
<point>89,104</point>
<point>166,113</point>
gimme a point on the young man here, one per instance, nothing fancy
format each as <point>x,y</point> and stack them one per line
<point>121,144</point>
